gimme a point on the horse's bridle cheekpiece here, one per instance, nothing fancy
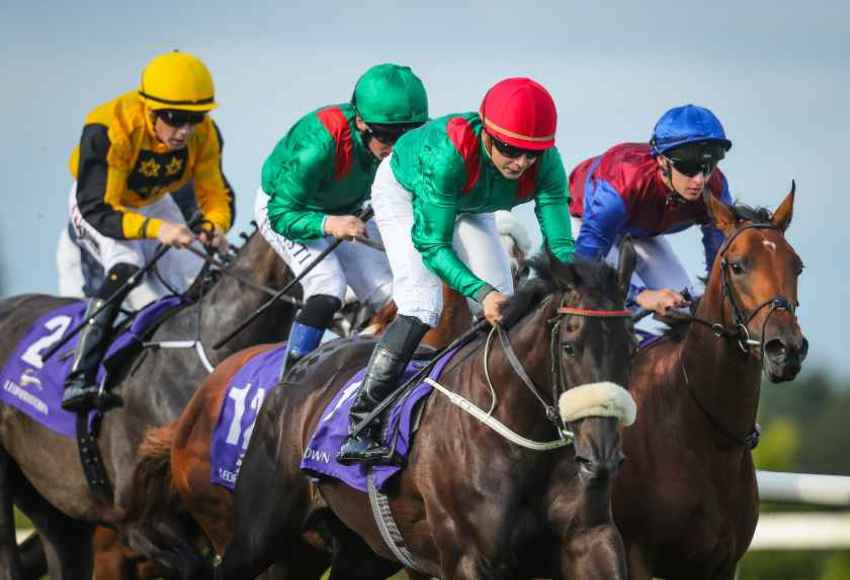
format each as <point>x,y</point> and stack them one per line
<point>740,330</point>
<point>558,381</point>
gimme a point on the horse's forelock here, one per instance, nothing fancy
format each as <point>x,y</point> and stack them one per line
<point>550,276</point>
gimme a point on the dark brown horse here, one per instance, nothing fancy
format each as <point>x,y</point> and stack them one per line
<point>176,458</point>
<point>40,471</point>
<point>470,504</point>
<point>686,500</point>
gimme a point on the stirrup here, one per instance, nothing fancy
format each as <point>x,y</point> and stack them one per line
<point>79,399</point>
<point>367,449</point>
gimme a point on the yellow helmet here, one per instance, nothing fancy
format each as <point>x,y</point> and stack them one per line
<point>177,80</point>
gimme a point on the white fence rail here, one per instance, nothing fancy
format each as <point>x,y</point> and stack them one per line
<point>822,490</point>
<point>803,531</point>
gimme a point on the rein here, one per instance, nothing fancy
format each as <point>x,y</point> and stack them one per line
<point>559,383</point>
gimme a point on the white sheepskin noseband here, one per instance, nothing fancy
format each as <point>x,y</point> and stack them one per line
<point>598,400</point>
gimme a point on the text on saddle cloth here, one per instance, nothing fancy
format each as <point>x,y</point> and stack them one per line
<point>246,392</point>
<point>34,386</point>
<point>319,457</point>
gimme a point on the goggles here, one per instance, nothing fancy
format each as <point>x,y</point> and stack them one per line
<point>692,168</point>
<point>177,118</point>
<point>695,158</point>
<point>389,134</point>
<point>512,152</point>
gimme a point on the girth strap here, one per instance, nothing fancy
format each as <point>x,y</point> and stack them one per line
<point>380,505</point>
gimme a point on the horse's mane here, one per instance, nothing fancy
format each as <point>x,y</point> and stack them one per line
<point>755,214</point>
<point>209,277</point>
<point>547,275</point>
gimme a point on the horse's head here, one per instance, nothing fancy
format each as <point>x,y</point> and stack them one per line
<point>755,275</point>
<point>591,344</point>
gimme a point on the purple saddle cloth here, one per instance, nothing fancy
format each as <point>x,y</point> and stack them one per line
<point>319,458</point>
<point>34,386</point>
<point>245,395</point>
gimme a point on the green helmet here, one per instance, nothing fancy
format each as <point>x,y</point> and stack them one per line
<point>389,94</point>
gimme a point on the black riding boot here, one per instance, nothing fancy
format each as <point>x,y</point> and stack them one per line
<point>81,389</point>
<point>81,385</point>
<point>386,366</point>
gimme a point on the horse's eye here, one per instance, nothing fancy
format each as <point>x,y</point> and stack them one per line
<point>737,268</point>
<point>569,349</point>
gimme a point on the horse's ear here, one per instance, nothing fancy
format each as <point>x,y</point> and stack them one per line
<point>719,212</point>
<point>782,216</point>
<point>628,260</point>
<point>562,274</point>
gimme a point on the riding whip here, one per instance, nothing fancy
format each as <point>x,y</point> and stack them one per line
<point>460,341</point>
<point>364,216</point>
<point>130,283</point>
<point>197,219</point>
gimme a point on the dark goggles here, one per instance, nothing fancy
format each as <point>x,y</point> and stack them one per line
<point>389,134</point>
<point>693,159</point>
<point>512,152</point>
<point>177,118</point>
<point>692,168</point>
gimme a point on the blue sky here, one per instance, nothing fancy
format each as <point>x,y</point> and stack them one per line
<point>775,73</point>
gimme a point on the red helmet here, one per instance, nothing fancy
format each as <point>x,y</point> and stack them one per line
<point>520,112</point>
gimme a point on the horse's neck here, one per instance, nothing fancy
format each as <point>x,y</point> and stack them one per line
<point>725,380</point>
<point>231,301</point>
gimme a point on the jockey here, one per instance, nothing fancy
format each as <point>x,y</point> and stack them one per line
<point>320,174</point>
<point>134,150</point>
<point>646,190</point>
<point>442,184</point>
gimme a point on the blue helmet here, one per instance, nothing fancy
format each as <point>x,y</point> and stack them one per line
<point>687,124</point>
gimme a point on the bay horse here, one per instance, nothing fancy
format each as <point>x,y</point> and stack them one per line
<point>470,504</point>
<point>40,471</point>
<point>686,500</point>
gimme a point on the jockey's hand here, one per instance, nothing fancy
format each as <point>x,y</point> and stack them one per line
<point>175,235</point>
<point>494,304</point>
<point>345,227</point>
<point>214,238</point>
<point>660,301</point>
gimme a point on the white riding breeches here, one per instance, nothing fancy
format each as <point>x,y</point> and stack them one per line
<point>657,267</point>
<point>363,268</point>
<point>416,290</point>
<point>176,268</point>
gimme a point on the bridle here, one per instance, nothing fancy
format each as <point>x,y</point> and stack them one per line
<point>558,378</point>
<point>740,329</point>
<point>741,320</point>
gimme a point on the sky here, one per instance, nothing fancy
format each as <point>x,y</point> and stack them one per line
<point>775,73</point>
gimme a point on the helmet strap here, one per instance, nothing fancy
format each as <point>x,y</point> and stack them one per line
<point>488,143</point>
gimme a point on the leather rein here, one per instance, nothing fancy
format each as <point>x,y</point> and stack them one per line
<point>559,383</point>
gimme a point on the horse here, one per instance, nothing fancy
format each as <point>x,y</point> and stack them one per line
<point>469,504</point>
<point>176,458</point>
<point>686,500</point>
<point>40,471</point>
